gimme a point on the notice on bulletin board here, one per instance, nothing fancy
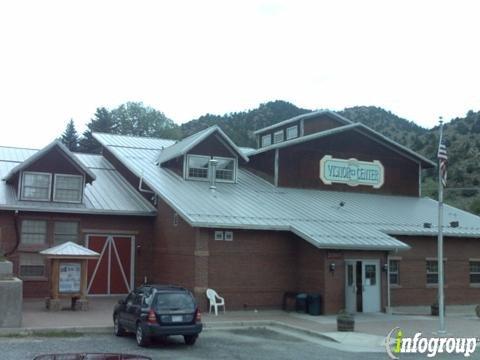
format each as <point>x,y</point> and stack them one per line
<point>69,280</point>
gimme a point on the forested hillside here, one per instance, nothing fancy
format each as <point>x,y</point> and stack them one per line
<point>462,137</point>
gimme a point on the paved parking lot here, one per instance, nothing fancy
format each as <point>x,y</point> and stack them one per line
<point>232,344</point>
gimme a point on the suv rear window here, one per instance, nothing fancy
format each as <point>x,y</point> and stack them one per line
<point>173,302</point>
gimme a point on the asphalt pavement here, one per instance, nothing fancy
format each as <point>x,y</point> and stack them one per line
<point>212,345</point>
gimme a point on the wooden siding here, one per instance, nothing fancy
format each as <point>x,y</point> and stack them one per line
<point>299,165</point>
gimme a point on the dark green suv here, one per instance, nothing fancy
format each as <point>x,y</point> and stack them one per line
<point>158,311</point>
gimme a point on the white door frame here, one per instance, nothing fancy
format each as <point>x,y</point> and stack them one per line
<point>378,283</point>
<point>132,261</point>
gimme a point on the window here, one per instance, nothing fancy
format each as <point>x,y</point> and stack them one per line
<point>36,186</point>
<point>475,272</point>
<point>34,232</point>
<point>370,275</point>
<point>266,140</point>
<point>394,272</point>
<point>225,170</point>
<point>197,167</point>
<point>64,231</point>
<point>218,235</point>
<point>292,132</point>
<point>68,188</point>
<point>32,265</point>
<point>228,235</point>
<point>432,272</point>
<point>278,136</point>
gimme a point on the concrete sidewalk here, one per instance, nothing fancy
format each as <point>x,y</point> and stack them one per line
<point>369,335</point>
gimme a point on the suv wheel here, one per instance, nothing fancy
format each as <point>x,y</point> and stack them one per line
<point>118,330</point>
<point>190,339</point>
<point>142,338</point>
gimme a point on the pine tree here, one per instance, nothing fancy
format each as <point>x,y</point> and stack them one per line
<point>70,136</point>
<point>102,122</point>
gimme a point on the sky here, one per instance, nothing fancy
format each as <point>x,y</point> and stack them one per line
<point>63,59</point>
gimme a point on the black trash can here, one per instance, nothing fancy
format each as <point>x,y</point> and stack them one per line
<point>314,304</point>
<point>301,303</point>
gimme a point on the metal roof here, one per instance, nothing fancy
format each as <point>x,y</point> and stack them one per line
<point>109,194</point>
<point>38,154</point>
<point>309,115</point>
<point>133,141</point>
<point>363,129</point>
<point>69,249</point>
<point>365,221</point>
<point>185,145</point>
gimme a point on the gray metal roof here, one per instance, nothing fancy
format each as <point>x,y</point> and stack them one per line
<point>184,145</point>
<point>109,194</point>
<point>309,115</point>
<point>352,126</point>
<point>366,221</point>
<point>38,154</point>
<point>133,141</point>
<point>70,249</point>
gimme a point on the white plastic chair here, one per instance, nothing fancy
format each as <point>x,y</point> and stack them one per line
<point>212,298</point>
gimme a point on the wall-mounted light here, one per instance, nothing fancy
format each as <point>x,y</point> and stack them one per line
<point>385,267</point>
<point>331,267</point>
<point>427,225</point>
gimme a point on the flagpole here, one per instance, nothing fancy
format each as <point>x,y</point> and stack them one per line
<point>441,297</point>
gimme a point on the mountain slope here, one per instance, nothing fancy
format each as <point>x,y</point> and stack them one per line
<point>462,138</point>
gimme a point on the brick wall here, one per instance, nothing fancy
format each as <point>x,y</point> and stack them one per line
<point>253,270</point>
<point>413,289</point>
<point>140,227</point>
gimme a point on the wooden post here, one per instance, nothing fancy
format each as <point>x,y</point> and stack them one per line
<point>55,278</point>
<point>83,283</point>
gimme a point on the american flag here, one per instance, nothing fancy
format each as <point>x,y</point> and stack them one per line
<point>442,159</point>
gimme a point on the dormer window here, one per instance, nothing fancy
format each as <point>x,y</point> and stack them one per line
<point>198,168</point>
<point>278,137</point>
<point>292,132</point>
<point>68,188</point>
<point>266,140</point>
<point>36,186</point>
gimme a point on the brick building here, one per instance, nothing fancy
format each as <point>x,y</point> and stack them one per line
<point>321,205</point>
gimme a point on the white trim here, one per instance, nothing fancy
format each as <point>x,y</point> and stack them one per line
<point>22,197</point>
<point>82,186</point>
<point>234,174</point>
<point>98,261</point>
<point>109,273</point>
<point>108,242</point>
<point>122,270</point>
<point>132,262</point>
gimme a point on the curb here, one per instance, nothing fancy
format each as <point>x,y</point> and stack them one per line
<point>213,326</point>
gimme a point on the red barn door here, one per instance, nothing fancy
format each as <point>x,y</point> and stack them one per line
<point>112,272</point>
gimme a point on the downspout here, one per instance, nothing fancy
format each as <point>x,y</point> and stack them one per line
<point>145,191</point>
<point>17,234</point>
<point>389,308</point>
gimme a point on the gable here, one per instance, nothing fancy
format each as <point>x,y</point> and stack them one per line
<point>299,164</point>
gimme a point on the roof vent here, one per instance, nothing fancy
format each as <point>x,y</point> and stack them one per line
<point>212,164</point>
<point>427,225</point>
<point>454,224</point>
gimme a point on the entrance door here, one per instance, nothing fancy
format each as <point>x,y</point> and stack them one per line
<point>362,286</point>
<point>350,286</point>
<point>112,272</point>
<point>371,285</point>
